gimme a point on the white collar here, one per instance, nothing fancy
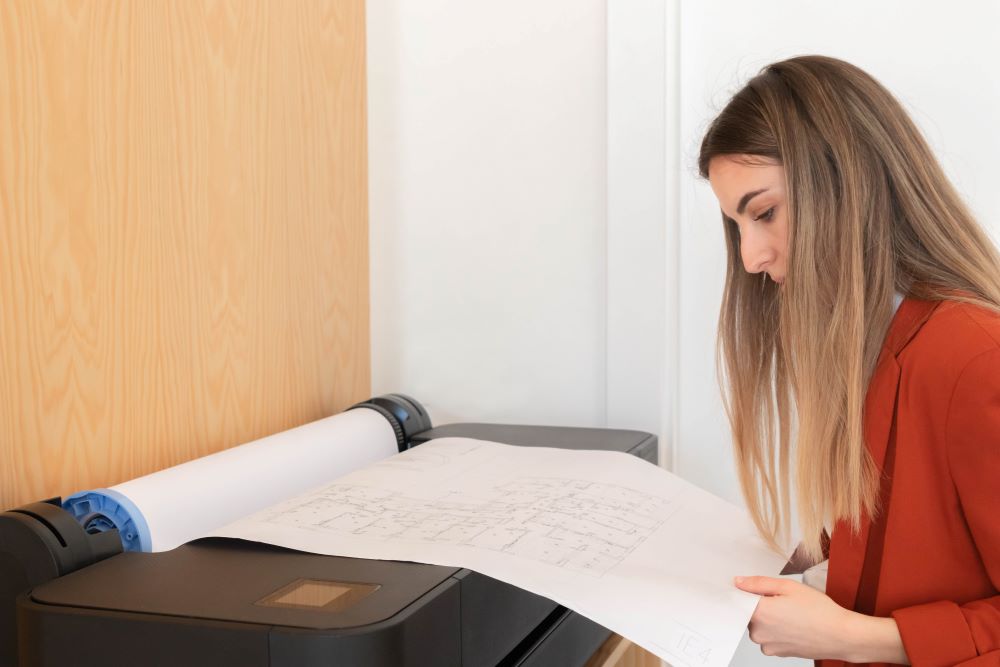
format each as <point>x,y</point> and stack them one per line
<point>897,299</point>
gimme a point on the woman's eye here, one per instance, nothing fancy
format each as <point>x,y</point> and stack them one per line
<point>766,215</point>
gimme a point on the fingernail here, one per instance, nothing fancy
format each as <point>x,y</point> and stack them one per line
<point>738,580</point>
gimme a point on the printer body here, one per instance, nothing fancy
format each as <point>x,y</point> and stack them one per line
<point>70,595</point>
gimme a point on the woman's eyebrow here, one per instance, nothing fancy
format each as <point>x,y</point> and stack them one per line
<point>746,200</point>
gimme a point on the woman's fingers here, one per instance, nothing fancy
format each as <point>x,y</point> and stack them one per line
<point>763,585</point>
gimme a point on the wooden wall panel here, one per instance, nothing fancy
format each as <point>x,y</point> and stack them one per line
<point>183,231</point>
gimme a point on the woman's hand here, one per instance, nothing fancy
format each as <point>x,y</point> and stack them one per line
<point>793,619</point>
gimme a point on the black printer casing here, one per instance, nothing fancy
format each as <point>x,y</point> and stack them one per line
<point>201,603</point>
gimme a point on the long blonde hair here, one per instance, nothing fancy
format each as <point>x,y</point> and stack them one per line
<point>870,213</point>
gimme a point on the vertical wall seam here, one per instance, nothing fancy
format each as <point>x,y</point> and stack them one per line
<point>672,152</point>
<point>607,214</point>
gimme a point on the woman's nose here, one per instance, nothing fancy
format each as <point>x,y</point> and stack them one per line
<point>755,252</point>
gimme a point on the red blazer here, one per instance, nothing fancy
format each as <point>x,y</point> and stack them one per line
<point>931,558</point>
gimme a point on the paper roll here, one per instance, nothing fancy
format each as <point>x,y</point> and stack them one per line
<point>165,509</point>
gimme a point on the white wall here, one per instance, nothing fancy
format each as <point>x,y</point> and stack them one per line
<point>940,60</point>
<point>487,194</point>
<point>511,278</point>
<point>640,278</point>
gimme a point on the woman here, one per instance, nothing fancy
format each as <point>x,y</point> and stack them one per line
<point>859,340</point>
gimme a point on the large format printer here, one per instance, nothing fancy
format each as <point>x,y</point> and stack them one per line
<point>70,595</point>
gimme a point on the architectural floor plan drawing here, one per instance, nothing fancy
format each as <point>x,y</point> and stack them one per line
<point>572,523</point>
<point>617,539</point>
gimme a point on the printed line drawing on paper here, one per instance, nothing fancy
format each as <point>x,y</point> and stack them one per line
<point>576,524</point>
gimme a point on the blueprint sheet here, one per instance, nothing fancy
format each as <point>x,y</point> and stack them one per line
<point>615,538</point>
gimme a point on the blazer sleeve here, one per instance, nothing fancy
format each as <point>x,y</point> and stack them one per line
<point>944,633</point>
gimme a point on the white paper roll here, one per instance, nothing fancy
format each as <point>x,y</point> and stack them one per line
<point>165,509</point>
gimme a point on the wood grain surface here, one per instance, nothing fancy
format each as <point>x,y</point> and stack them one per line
<point>620,652</point>
<point>183,231</point>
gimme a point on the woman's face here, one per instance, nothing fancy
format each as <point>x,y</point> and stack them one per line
<point>751,193</point>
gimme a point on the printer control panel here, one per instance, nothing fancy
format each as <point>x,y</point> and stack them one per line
<point>318,595</point>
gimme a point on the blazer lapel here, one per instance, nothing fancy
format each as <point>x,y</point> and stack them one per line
<point>847,548</point>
